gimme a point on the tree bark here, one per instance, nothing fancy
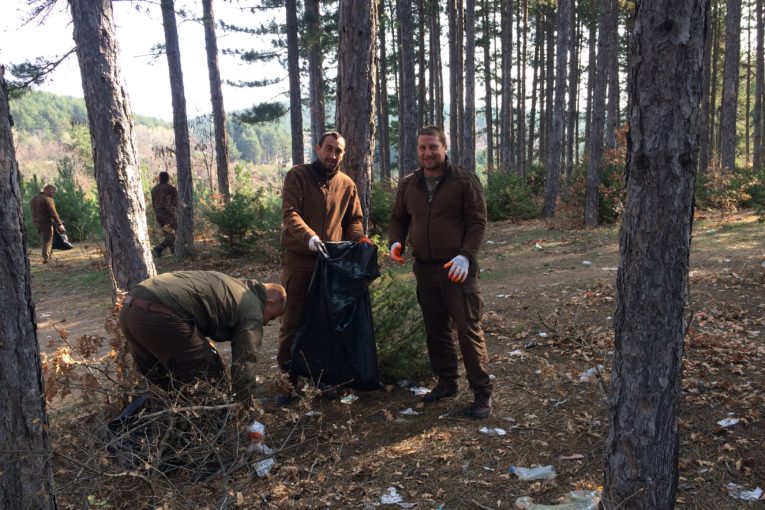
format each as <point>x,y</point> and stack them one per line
<point>293,69</point>
<point>184,240</point>
<point>27,477</point>
<point>573,88</point>
<point>714,149</point>
<point>315,71</point>
<point>612,108</point>
<point>730,86</point>
<point>123,212</point>
<point>535,84</point>
<point>506,120</point>
<point>355,105</point>
<point>468,123</point>
<point>555,161</point>
<point>435,51</point>
<point>591,66</point>
<point>641,469</point>
<point>216,98</point>
<point>455,72</point>
<point>597,123</point>
<point>522,32</point>
<point>549,84</point>
<point>488,88</point>
<point>704,128</point>
<point>382,98</point>
<point>407,109</point>
<point>422,104</point>
<point>759,88</point>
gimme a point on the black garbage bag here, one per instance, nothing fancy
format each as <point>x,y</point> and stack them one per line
<point>335,342</point>
<point>60,241</point>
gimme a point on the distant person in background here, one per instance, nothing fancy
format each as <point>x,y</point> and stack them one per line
<point>45,217</point>
<point>164,201</point>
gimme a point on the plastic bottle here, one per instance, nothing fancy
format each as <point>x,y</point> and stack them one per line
<point>534,473</point>
<point>574,500</point>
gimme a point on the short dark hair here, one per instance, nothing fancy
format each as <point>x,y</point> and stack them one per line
<point>164,177</point>
<point>433,131</point>
<point>334,134</point>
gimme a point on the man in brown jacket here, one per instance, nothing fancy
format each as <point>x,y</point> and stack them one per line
<point>441,207</point>
<point>319,203</point>
<point>167,319</point>
<point>164,201</point>
<point>45,216</point>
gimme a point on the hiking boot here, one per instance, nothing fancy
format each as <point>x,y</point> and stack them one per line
<point>481,408</point>
<point>327,392</point>
<point>440,391</point>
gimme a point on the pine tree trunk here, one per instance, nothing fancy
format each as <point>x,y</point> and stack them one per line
<point>555,166</point>
<point>184,240</point>
<point>641,468</point>
<point>407,139</point>
<point>730,86</point>
<point>705,143</point>
<point>535,86</point>
<point>382,94</point>
<point>506,141</point>
<point>759,88</point>
<point>522,31</point>
<point>549,84</point>
<point>612,108</point>
<point>435,51</point>
<point>488,88</point>
<point>27,478</point>
<point>455,70</point>
<point>714,151</point>
<point>597,123</point>
<point>542,27</point>
<point>293,69</point>
<point>216,98</point>
<point>118,179</point>
<point>591,57</point>
<point>315,71</point>
<point>573,89</point>
<point>747,88</point>
<point>422,110</point>
<point>355,104</point>
<point>468,133</point>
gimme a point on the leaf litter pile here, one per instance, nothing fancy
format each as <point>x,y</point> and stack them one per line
<point>550,361</point>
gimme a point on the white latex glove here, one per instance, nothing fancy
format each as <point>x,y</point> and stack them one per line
<point>458,268</point>
<point>395,252</point>
<point>313,243</point>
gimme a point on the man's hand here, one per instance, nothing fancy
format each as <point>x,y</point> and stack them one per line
<point>365,239</point>
<point>315,244</point>
<point>61,229</point>
<point>458,268</point>
<point>395,252</point>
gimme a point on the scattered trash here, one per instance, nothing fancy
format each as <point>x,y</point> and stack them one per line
<point>262,467</point>
<point>349,399</point>
<point>573,456</point>
<point>726,260</point>
<point>542,334</point>
<point>504,296</point>
<point>537,246</point>
<point>409,412</point>
<point>492,377</point>
<point>256,430</point>
<point>533,473</point>
<point>574,500</point>
<point>586,263</point>
<point>312,413</point>
<point>419,391</point>
<point>391,497</point>
<point>492,431</point>
<point>489,242</point>
<point>517,352</point>
<point>404,383</point>
<point>590,373</point>
<point>738,492</point>
<point>531,344</point>
<point>609,268</point>
<point>728,422</point>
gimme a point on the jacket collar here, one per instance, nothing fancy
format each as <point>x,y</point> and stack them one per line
<point>322,172</point>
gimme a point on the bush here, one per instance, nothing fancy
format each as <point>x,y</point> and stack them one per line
<point>245,220</point>
<point>509,197</point>
<point>611,194</point>
<point>399,330</point>
<point>382,204</point>
<point>727,191</point>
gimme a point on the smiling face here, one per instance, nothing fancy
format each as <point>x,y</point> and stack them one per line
<point>330,152</point>
<point>431,153</point>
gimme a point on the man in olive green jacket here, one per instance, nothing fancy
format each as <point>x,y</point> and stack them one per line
<point>167,320</point>
<point>45,216</point>
<point>442,209</point>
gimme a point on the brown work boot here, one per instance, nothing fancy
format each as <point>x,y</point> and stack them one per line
<point>442,390</point>
<point>481,408</point>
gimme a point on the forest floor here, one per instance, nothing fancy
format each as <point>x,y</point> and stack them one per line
<point>549,295</point>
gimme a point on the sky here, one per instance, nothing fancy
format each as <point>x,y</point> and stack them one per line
<point>146,79</point>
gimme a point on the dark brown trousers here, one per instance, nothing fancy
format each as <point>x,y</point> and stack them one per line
<point>297,271</point>
<point>441,299</point>
<point>168,348</point>
<point>46,240</point>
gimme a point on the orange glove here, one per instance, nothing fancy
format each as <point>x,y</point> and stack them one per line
<point>395,253</point>
<point>365,239</point>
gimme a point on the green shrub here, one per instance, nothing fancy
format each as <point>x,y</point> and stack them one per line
<point>509,197</point>
<point>611,194</point>
<point>382,203</point>
<point>245,220</point>
<point>399,329</point>
<point>727,191</point>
